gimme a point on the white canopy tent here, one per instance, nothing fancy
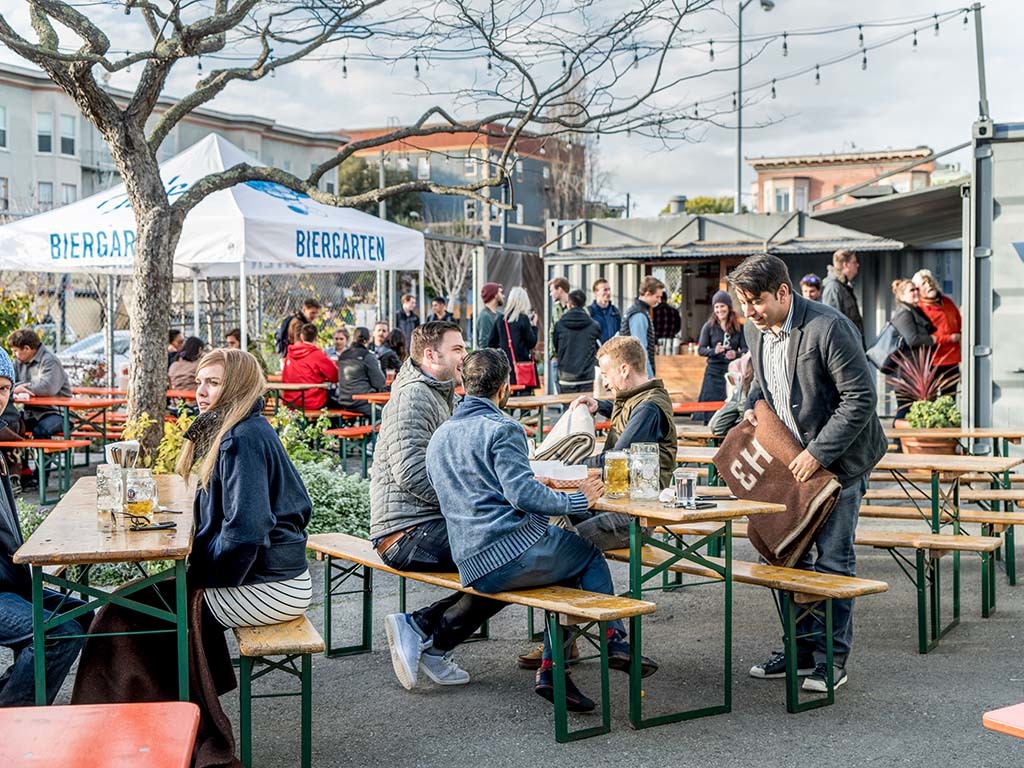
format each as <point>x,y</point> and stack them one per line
<point>253,228</point>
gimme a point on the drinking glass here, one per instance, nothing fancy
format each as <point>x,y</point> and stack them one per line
<point>140,498</point>
<point>616,474</point>
<point>644,471</point>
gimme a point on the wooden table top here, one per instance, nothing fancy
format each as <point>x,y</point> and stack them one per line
<point>159,734</point>
<point>294,386</point>
<point>537,401</point>
<point>74,403</point>
<point>380,398</point>
<point>962,433</point>
<point>1008,720</point>
<point>664,515</point>
<point>73,532</point>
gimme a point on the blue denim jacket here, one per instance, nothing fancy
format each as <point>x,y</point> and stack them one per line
<point>478,464</point>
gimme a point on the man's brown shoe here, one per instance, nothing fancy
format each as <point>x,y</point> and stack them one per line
<point>531,660</point>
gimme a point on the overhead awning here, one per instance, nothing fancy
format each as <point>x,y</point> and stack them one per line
<point>722,250</point>
<point>927,215</point>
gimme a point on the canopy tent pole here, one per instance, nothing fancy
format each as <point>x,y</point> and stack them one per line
<point>243,299</point>
<point>423,298</point>
<point>195,302</point>
<point>109,341</point>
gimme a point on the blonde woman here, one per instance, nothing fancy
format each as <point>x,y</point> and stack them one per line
<point>251,507</point>
<point>519,325</point>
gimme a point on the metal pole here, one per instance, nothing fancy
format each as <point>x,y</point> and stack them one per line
<point>384,297</point>
<point>423,296</point>
<point>627,204</point>
<point>109,342</point>
<point>195,303</point>
<point>979,45</point>
<point>737,205</point>
<point>243,301</point>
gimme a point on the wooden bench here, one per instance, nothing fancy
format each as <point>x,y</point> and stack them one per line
<point>993,495</point>
<point>814,592</point>
<point>49,448</point>
<point>295,640</point>
<point>1008,720</point>
<point>350,557</point>
<point>929,548</point>
<point>360,434</point>
<point>970,477</point>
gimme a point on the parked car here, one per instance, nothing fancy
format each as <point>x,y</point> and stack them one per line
<point>48,333</point>
<point>86,362</point>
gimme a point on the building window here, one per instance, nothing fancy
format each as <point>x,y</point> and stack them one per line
<point>330,187</point>
<point>469,208</point>
<point>493,212</point>
<point>44,197</point>
<point>782,200</point>
<point>800,198</point>
<point>5,200</point>
<point>68,193</point>
<point>520,214</point>
<point>519,171</point>
<point>67,134</point>
<point>44,133</point>
<point>469,165</point>
<point>3,127</point>
<point>546,172</point>
<point>287,166</point>
<point>423,167</point>
<point>403,164</point>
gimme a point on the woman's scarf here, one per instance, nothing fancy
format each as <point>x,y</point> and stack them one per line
<point>202,431</point>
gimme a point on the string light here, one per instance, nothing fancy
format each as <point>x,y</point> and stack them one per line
<point>129,68</point>
<point>734,100</point>
<point>860,35</point>
<point>199,65</point>
<point>695,112</point>
<point>967,14</point>
<point>490,68</point>
<point>636,57</point>
<point>914,46</point>
<point>817,75</point>
<point>785,44</point>
<point>273,72</point>
<point>773,87</point>
<point>711,50</point>
<point>417,67</point>
<point>864,61</point>
<point>344,67</point>
<point>564,65</point>
<point>936,17</point>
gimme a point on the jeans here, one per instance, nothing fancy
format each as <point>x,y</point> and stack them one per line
<point>453,619</point>
<point>17,684</point>
<point>605,530</point>
<point>835,554</point>
<point>46,426</point>
<point>562,558</point>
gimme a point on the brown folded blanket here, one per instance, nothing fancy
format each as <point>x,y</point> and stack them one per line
<point>144,668</point>
<point>754,462</point>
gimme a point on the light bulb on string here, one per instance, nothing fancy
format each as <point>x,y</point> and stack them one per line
<point>711,50</point>
<point>936,17</point>
<point>817,75</point>
<point>860,35</point>
<point>199,65</point>
<point>129,67</point>
<point>695,112</point>
<point>416,69</point>
<point>564,65</point>
<point>785,44</point>
<point>773,88</point>
<point>864,61</point>
<point>490,67</point>
<point>636,57</point>
<point>914,45</point>
<point>344,67</point>
<point>966,16</point>
<point>273,72</point>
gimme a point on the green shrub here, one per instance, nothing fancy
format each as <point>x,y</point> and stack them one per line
<point>341,503</point>
<point>934,414</point>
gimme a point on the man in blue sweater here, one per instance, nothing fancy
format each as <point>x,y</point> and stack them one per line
<point>497,513</point>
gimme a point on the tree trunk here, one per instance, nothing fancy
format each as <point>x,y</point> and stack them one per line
<point>157,228</point>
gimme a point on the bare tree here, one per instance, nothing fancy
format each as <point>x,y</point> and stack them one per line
<point>534,50</point>
<point>447,263</point>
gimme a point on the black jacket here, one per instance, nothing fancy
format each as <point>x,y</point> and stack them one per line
<point>251,520</point>
<point>638,307</point>
<point>913,325</point>
<point>13,578</point>
<point>711,335</point>
<point>407,324</point>
<point>576,337</point>
<point>359,373</point>
<point>837,292</point>
<point>524,339</point>
<point>832,389</point>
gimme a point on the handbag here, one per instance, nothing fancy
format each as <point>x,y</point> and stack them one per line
<point>883,352</point>
<point>526,373</point>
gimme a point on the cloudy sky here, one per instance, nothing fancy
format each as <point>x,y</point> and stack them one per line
<point>903,99</point>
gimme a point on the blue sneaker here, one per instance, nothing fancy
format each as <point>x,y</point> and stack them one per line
<point>406,646</point>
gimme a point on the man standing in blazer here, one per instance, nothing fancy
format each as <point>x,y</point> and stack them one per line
<point>809,365</point>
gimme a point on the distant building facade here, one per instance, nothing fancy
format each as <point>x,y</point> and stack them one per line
<point>790,183</point>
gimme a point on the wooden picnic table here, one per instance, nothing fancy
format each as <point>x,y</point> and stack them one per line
<point>141,735</point>
<point>1014,435</point>
<point>73,534</point>
<point>648,515</point>
<point>44,448</point>
<point>88,413</point>
<point>1008,720</point>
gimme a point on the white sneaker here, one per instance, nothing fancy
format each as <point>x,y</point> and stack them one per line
<point>406,647</point>
<point>443,670</point>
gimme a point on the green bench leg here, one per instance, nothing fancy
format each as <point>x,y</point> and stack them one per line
<point>791,617</point>
<point>307,710</point>
<point>401,594</point>
<point>335,575</point>
<point>532,633</point>
<point>928,580</point>
<point>988,584</point>
<point>558,642</point>
<point>245,709</point>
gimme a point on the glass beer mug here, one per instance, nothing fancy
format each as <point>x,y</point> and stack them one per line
<point>616,474</point>
<point>140,498</point>
<point>644,471</point>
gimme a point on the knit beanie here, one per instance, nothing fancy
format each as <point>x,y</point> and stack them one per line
<point>722,297</point>
<point>489,291</point>
<point>6,366</point>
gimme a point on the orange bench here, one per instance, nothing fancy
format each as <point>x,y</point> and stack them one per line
<point>360,434</point>
<point>44,448</point>
<point>1008,720</point>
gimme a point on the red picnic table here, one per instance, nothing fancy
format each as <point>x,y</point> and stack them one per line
<point>90,413</point>
<point>153,735</point>
<point>43,448</point>
<point>1008,720</point>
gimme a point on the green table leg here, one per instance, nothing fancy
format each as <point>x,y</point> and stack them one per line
<point>245,664</point>
<point>38,635</point>
<point>41,466</point>
<point>181,614</point>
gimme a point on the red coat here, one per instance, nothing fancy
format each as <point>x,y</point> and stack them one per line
<point>946,319</point>
<point>307,364</point>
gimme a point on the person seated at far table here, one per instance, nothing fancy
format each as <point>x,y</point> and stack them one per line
<point>497,512</point>
<point>391,352</point>
<point>233,340</point>
<point>38,373</point>
<point>340,339</point>
<point>306,363</point>
<point>359,373</point>
<point>182,373</point>
<point>640,413</point>
<point>17,683</point>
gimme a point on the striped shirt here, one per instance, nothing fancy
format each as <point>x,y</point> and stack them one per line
<point>257,605</point>
<point>777,376</point>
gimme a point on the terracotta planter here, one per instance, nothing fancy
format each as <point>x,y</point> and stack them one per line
<point>937,445</point>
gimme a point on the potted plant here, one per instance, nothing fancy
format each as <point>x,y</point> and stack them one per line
<point>916,381</point>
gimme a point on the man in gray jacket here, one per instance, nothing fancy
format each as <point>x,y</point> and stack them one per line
<point>810,367</point>
<point>406,525</point>
<point>39,373</point>
<point>837,288</point>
